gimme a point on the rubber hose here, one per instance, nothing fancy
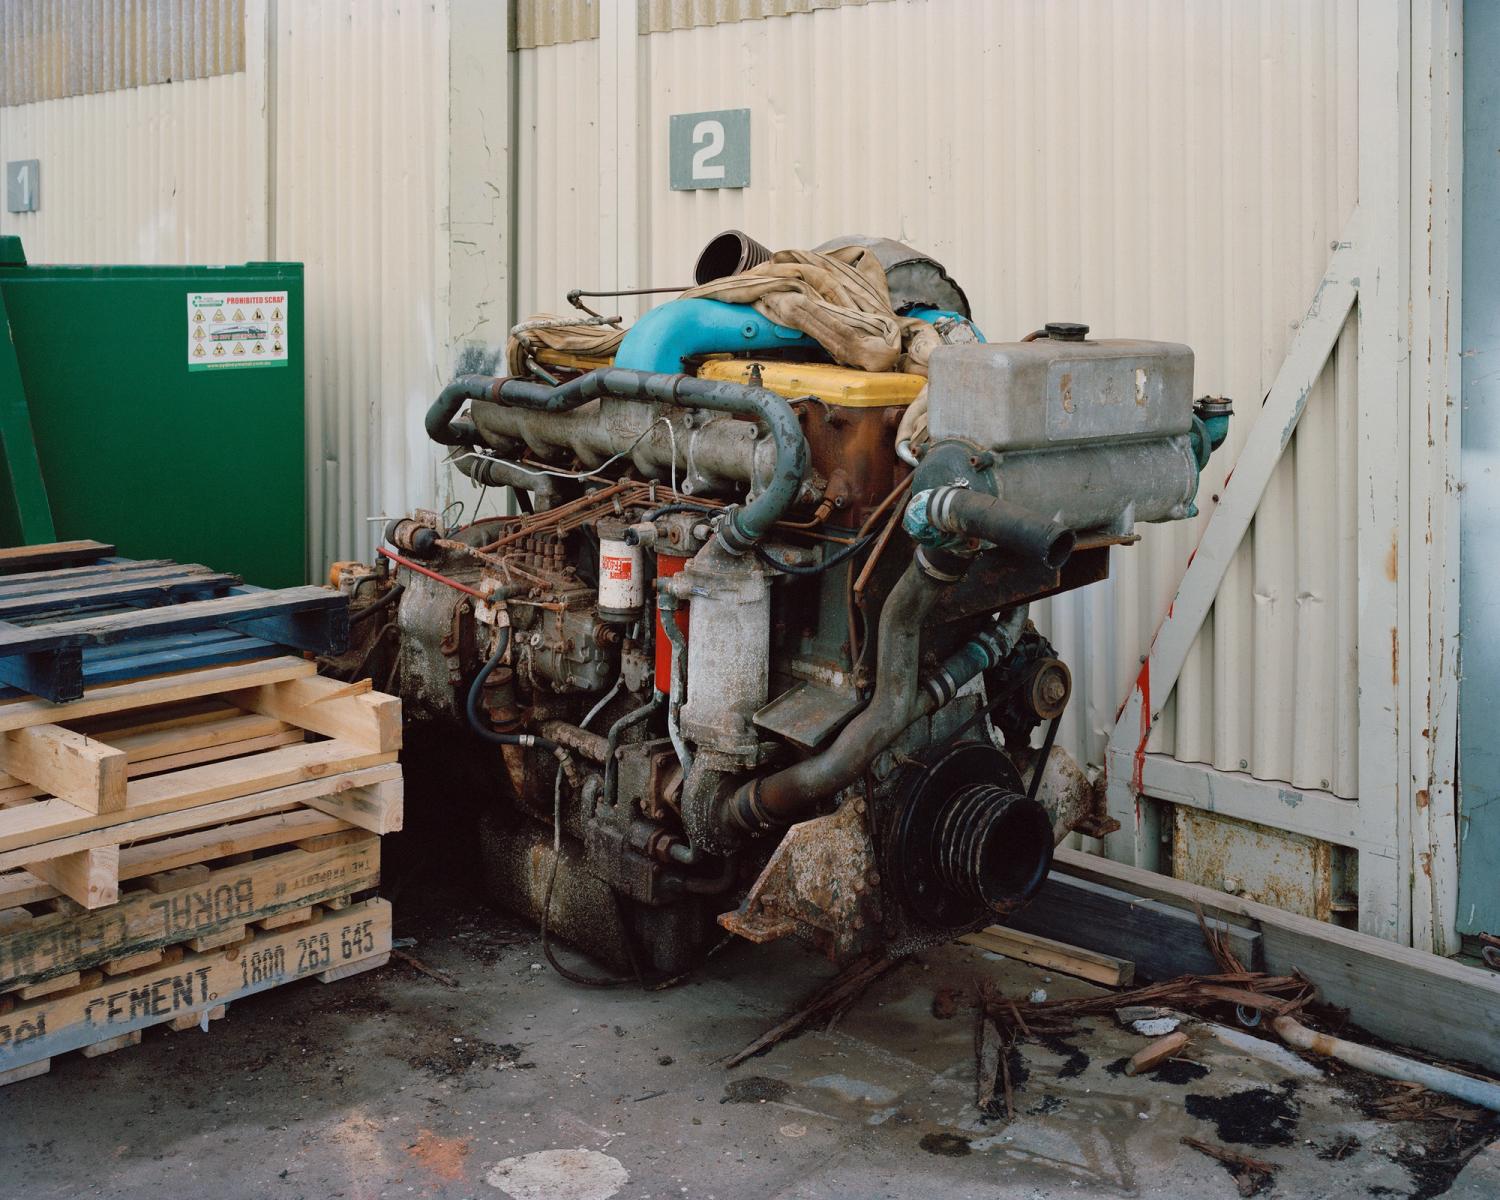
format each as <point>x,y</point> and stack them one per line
<point>476,719</point>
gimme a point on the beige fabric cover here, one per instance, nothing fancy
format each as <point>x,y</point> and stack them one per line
<point>839,299</point>
<point>594,340</point>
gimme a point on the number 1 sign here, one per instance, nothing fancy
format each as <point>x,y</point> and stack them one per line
<point>710,149</point>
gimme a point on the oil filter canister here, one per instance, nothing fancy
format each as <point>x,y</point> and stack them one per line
<point>622,576</point>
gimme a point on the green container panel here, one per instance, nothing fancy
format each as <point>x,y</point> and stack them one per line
<point>142,444</point>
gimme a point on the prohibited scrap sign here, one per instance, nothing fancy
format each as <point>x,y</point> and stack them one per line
<point>229,330</point>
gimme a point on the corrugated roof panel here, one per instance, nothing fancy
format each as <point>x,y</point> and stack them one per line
<point>52,49</point>
<point>555,22</point>
<point>663,16</point>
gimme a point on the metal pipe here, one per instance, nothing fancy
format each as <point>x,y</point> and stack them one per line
<point>783,797</point>
<point>421,570</point>
<point>612,743</point>
<point>1481,1092</point>
<point>593,746</point>
<point>1006,526</point>
<point>744,526</point>
<point>439,420</point>
<point>495,472</point>
<point>678,683</point>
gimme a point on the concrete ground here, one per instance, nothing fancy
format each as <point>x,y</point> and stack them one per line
<point>514,1083</point>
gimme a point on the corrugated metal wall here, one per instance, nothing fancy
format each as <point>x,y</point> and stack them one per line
<point>174,173</point>
<point>51,49</point>
<point>330,148</point>
<point>557,196</point>
<point>1171,170</point>
<point>360,195</point>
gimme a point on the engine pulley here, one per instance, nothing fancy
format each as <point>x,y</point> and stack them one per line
<point>965,843</point>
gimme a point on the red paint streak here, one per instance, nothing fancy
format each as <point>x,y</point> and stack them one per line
<point>1143,689</point>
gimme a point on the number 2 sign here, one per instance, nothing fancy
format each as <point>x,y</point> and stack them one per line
<point>710,149</point>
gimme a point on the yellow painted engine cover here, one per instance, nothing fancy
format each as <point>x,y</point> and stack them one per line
<point>844,387</point>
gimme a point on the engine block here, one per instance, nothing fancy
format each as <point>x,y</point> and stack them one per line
<point>754,654</point>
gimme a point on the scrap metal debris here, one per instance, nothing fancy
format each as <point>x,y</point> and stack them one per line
<point>828,1001</point>
<point>416,964</point>
<point>1251,1175</point>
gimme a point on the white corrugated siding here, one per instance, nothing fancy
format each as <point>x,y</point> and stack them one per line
<point>557,179</point>
<point>361,195</point>
<point>168,173</point>
<point>1173,170</point>
<point>344,168</point>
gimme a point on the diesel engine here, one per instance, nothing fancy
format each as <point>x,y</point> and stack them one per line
<point>753,656</point>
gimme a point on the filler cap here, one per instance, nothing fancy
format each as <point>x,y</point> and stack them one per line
<point>1066,331</point>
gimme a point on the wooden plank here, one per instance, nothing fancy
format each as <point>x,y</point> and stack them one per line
<point>212,941</point>
<point>297,916</point>
<point>51,554</point>
<point>52,674</point>
<point>327,706</point>
<point>23,582</point>
<point>1055,956</point>
<point>197,1020</point>
<point>50,987</point>
<point>144,745</point>
<point>279,829</point>
<point>1156,1053</point>
<point>237,611</point>
<point>1404,995</point>
<point>348,970</point>
<point>110,1045</point>
<point>161,656</point>
<point>1162,941</point>
<point>368,808</point>
<point>206,815</point>
<point>87,877</point>
<point>138,693</point>
<point>66,764</point>
<point>1138,840</point>
<point>42,821</point>
<point>149,719</point>
<point>128,963</point>
<point>164,589</point>
<point>46,658</point>
<point>209,907</point>
<point>213,753</point>
<point>43,1028</point>
<point>30,1071</point>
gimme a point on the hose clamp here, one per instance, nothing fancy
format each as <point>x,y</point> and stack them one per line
<point>932,562</point>
<point>732,537</point>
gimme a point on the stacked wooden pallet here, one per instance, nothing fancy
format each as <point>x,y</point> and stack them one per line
<point>172,842</point>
